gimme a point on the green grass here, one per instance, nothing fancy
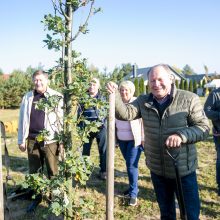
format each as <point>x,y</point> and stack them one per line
<point>95,190</point>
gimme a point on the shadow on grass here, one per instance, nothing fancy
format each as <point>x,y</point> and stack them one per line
<point>18,211</point>
<point>98,185</point>
<point>144,193</point>
<point>16,164</point>
<point>95,182</point>
<point>209,209</point>
<point>208,188</point>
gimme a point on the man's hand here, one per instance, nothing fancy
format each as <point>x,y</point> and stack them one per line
<point>173,141</point>
<point>22,147</point>
<point>111,87</point>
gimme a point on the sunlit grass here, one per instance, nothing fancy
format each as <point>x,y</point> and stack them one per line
<point>9,114</point>
<point>95,190</point>
<point>147,207</point>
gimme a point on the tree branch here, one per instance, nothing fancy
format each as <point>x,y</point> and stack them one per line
<point>86,21</point>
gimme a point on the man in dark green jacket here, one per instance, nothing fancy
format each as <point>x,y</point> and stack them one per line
<point>212,110</point>
<point>172,118</point>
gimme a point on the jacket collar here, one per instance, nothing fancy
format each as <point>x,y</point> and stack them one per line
<point>47,93</point>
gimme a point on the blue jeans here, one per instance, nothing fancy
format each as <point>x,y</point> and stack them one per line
<point>217,146</point>
<point>101,138</point>
<point>131,155</point>
<point>165,190</point>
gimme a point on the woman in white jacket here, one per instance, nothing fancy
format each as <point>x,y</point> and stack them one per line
<point>130,137</point>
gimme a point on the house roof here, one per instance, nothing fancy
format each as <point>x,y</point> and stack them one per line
<point>195,77</point>
<point>143,72</point>
<point>140,72</point>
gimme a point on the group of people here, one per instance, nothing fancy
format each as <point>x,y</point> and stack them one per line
<point>166,119</point>
<point>32,121</point>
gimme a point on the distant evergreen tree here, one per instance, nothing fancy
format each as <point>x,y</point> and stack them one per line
<point>177,84</point>
<point>147,88</point>
<point>191,86</point>
<point>125,69</point>
<point>186,86</point>
<point>136,84</point>
<point>120,72</point>
<point>195,86</point>
<point>182,84</point>
<point>114,76</point>
<point>14,88</point>
<point>141,86</point>
<point>187,70</point>
<point>200,84</point>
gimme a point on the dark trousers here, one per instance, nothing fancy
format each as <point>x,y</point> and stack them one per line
<point>38,153</point>
<point>217,146</point>
<point>102,145</point>
<point>165,190</point>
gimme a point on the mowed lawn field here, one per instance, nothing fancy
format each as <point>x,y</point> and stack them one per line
<point>9,114</point>
<point>95,190</point>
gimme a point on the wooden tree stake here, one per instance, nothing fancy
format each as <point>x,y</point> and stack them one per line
<point>110,159</point>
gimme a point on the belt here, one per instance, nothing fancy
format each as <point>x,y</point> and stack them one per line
<point>31,138</point>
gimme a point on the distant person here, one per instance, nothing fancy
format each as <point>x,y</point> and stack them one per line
<point>32,121</point>
<point>93,114</point>
<point>172,119</point>
<point>212,110</point>
<point>130,138</point>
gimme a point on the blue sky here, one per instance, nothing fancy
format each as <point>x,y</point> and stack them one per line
<point>145,32</point>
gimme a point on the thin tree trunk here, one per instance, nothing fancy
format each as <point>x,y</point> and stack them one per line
<point>67,100</point>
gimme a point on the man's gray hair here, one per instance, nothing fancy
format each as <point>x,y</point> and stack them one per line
<point>165,66</point>
<point>39,72</point>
